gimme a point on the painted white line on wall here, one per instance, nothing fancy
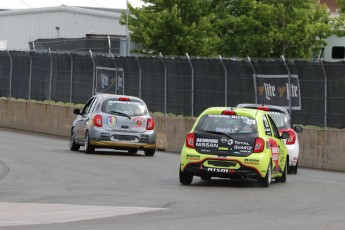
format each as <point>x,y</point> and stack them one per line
<point>12,214</point>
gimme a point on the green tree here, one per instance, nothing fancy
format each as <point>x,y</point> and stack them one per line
<point>270,28</point>
<point>172,27</point>
<point>255,28</point>
<point>338,23</point>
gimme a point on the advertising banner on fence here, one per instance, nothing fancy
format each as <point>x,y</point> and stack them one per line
<point>274,90</point>
<point>109,80</point>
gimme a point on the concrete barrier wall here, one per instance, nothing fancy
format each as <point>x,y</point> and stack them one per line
<point>319,148</point>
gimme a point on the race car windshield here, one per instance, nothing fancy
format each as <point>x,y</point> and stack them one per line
<point>128,108</point>
<point>280,120</point>
<point>230,124</point>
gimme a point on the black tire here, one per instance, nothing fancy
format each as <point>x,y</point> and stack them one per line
<point>132,151</point>
<point>150,152</point>
<point>266,181</point>
<point>282,179</point>
<point>293,169</point>
<point>72,145</point>
<point>185,178</point>
<point>87,146</point>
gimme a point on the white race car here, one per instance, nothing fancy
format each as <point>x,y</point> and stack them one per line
<point>283,122</point>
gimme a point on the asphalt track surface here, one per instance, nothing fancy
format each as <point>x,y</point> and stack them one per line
<point>43,185</point>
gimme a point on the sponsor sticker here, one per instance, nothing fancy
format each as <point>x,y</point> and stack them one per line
<point>111,121</point>
<point>205,142</point>
<point>192,157</point>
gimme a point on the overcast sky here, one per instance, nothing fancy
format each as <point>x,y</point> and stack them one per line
<point>25,4</point>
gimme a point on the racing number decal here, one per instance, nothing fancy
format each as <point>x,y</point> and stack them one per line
<point>275,154</point>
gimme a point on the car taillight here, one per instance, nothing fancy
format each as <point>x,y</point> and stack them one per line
<point>190,140</point>
<point>97,120</point>
<point>292,137</point>
<point>263,108</point>
<point>229,112</point>
<point>259,145</point>
<point>124,99</point>
<point>150,124</point>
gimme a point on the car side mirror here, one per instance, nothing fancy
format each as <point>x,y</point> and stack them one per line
<point>284,135</point>
<point>76,111</point>
<point>298,129</point>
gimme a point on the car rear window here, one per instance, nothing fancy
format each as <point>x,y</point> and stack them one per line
<point>231,124</point>
<point>280,119</point>
<point>131,108</point>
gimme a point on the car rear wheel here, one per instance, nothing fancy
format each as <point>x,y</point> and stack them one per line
<point>266,181</point>
<point>72,145</point>
<point>88,147</point>
<point>293,169</point>
<point>185,178</point>
<point>283,178</point>
<point>150,152</point>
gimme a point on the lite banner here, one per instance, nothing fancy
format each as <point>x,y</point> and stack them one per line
<point>109,80</point>
<point>274,90</point>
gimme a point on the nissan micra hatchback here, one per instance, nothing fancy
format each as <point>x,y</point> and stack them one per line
<point>235,143</point>
<point>116,122</point>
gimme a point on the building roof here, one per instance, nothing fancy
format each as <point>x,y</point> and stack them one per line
<point>103,12</point>
<point>332,5</point>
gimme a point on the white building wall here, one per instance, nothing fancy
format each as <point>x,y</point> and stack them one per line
<point>18,27</point>
<point>332,42</point>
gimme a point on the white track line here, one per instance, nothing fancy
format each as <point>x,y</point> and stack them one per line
<point>12,214</point>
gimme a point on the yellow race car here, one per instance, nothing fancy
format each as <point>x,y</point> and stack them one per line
<point>235,143</point>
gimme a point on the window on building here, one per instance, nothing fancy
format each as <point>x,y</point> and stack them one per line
<point>338,52</point>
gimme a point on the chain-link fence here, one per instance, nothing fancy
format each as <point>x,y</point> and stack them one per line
<point>180,85</point>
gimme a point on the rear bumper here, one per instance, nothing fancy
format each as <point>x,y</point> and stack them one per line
<point>243,171</point>
<point>122,140</point>
<point>122,145</point>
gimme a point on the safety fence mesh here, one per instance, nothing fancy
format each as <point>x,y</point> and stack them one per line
<point>178,85</point>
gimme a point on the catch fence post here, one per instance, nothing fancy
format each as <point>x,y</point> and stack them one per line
<point>326,91</point>
<point>30,75</point>
<point>165,84</point>
<point>71,81</point>
<point>225,81</point>
<point>192,68</point>
<point>137,57</point>
<point>93,73</point>
<point>254,79</point>
<point>51,75</point>
<point>289,83</point>
<point>109,45</point>
<point>11,66</point>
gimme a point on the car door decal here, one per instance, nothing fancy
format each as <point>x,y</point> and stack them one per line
<point>275,154</point>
